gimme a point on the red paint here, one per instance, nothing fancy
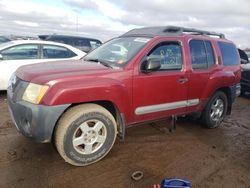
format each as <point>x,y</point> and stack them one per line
<point>128,88</point>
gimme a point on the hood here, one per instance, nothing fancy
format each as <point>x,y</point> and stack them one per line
<point>44,72</point>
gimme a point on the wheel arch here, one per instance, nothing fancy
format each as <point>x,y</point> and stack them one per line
<point>108,105</point>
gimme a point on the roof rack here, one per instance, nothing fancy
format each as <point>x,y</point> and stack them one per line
<point>170,30</point>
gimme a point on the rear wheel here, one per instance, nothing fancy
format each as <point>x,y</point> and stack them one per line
<point>85,134</point>
<point>215,110</point>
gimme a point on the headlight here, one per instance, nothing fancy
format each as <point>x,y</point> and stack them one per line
<point>34,93</point>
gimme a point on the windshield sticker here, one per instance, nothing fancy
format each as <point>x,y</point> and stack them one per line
<point>144,40</point>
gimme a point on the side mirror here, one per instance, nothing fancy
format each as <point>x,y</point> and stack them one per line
<point>1,57</point>
<point>151,65</point>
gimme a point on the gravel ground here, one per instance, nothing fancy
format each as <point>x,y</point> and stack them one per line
<point>207,157</point>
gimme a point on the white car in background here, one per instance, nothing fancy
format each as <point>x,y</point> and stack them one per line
<point>14,54</point>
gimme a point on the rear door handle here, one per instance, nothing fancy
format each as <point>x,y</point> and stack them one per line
<point>183,80</point>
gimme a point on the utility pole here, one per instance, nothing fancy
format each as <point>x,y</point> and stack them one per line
<point>77,23</point>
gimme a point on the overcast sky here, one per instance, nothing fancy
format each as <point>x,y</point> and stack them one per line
<point>105,19</point>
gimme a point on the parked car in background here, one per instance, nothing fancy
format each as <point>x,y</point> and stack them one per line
<point>248,54</point>
<point>82,43</point>
<point>144,75</point>
<point>14,54</point>
<point>245,76</point>
<point>4,39</point>
<point>244,59</point>
<point>23,37</point>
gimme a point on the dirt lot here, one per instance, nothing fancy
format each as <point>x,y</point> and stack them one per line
<point>209,158</point>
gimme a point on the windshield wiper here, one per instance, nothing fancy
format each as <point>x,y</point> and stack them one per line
<point>105,63</point>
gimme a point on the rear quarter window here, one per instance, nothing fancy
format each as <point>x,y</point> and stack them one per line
<point>229,53</point>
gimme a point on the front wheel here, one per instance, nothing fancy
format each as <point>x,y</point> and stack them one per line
<point>85,134</point>
<point>215,110</point>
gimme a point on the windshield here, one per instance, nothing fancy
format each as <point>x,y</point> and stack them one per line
<point>117,52</point>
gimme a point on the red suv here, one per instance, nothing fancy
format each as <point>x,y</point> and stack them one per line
<point>143,75</point>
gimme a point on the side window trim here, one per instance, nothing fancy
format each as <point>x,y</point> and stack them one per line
<point>40,51</point>
<point>212,48</point>
<point>206,53</point>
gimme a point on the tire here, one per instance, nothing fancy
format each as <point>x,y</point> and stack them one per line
<point>85,134</point>
<point>215,111</point>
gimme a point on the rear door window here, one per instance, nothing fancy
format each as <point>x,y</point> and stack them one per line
<point>229,53</point>
<point>56,52</point>
<point>202,54</point>
<point>25,51</point>
<point>198,54</point>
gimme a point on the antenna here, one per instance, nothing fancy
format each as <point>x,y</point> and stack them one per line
<point>77,23</point>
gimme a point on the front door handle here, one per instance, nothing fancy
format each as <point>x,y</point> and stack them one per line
<point>183,80</point>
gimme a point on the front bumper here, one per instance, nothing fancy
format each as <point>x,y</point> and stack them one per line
<point>34,121</point>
